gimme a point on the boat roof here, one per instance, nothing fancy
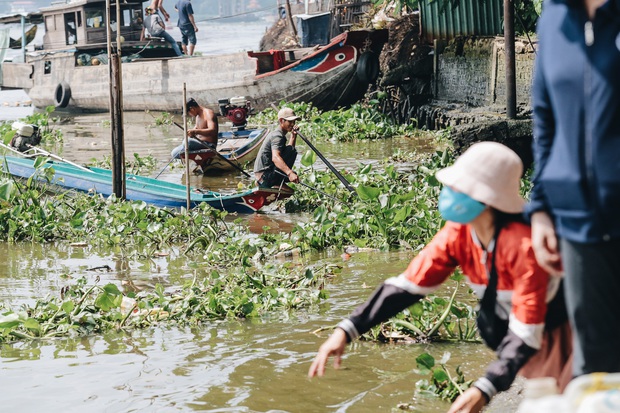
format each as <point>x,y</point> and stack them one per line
<point>65,4</point>
<point>30,17</point>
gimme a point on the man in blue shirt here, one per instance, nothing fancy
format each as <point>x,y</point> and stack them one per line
<point>187,25</point>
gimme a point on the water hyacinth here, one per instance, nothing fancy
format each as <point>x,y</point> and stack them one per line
<point>83,309</point>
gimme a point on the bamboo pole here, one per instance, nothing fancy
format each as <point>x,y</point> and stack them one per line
<point>186,140</point>
<point>116,106</point>
<point>290,19</point>
<point>509,50</point>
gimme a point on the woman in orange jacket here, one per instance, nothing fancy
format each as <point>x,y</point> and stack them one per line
<point>522,315</point>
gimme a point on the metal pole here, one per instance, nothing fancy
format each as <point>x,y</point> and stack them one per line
<point>23,39</point>
<point>307,9</point>
<point>509,47</point>
<point>186,140</point>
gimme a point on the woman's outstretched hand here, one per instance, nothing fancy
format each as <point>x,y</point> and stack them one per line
<point>333,346</point>
<point>471,401</point>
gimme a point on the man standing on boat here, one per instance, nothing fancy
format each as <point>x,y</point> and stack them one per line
<point>273,166</point>
<point>204,134</point>
<point>187,25</point>
<point>153,24</point>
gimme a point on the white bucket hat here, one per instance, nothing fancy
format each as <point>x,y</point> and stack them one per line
<point>490,173</point>
<point>288,114</point>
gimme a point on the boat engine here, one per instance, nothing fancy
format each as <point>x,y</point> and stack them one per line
<point>26,136</point>
<point>236,109</point>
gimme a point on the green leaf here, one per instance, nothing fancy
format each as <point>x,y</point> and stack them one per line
<point>309,158</point>
<point>425,360</point>
<point>6,190</point>
<point>68,307</point>
<point>440,375</point>
<point>9,320</point>
<point>367,193</point>
<point>32,324</point>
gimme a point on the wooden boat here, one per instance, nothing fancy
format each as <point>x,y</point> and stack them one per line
<point>140,188</point>
<point>71,69</point>
<point>239,147</point>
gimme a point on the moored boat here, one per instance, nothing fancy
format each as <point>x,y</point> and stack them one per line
<point>71,69</point>
<point>139,188</point>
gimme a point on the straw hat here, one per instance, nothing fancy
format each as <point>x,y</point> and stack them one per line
<point>287,114</point>
<point>490,173</point>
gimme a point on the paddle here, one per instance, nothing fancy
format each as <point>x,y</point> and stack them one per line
<point>38,151</point>
<point>326,162</point>
<point>164,168</point>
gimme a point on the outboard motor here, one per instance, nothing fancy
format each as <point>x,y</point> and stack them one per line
<point>26,136</point>
<point>236,109</point>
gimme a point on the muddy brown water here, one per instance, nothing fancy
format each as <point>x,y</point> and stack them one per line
<point>257,365</point>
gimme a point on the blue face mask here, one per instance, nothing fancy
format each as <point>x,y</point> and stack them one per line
<point>458,207</point>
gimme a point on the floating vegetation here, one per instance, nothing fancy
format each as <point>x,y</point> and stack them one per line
<point>360,121</point>
<point>441,384</point>
<point>43,120</point>
<point>390,209</point>
<point>433,318</point>
<point>139,165</point>
<point>83,309</point>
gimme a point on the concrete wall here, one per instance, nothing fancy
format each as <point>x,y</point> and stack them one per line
<point>472,71</point>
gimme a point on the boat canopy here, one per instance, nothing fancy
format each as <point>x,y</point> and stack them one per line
<point>83,23</point>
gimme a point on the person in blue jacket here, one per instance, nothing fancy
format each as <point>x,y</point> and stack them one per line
<point>575,201</point>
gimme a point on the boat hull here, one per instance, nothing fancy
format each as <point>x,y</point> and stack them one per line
<point>149,190</point>
<point>327,77</point>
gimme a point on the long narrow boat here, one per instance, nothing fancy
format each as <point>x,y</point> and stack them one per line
<point>239,147</point>
<point>70,70</point>
<point>140,188</point>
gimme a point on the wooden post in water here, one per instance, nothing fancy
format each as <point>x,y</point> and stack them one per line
<point>116,104</point>
<point>509,53</point>
<point>186,140</point>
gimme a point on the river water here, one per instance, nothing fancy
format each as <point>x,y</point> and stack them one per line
<point>227,366</point>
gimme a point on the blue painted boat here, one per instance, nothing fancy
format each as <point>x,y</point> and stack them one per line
<point>140,188</point>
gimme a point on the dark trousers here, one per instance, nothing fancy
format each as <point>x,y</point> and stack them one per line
<point>274,176</point>
<point>592,287</point>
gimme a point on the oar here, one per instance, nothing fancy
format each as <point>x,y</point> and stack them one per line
<point>164,168</point>
<point>38,150</point>
<point>326,162</point>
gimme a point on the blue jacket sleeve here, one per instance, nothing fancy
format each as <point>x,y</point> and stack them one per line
<point>544,131</point>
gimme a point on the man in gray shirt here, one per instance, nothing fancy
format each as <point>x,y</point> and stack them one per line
<point>274,163</point>
<point>155,27</point>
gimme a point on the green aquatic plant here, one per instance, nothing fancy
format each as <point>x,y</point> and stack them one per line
<point>360,121</point>
<point>441,383</point>
<point>138,165</point>
<point>43,120</point>
<point>164,118</point>
<point>391,208</point>
<point>434,318</point>
<point>83,309</point>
